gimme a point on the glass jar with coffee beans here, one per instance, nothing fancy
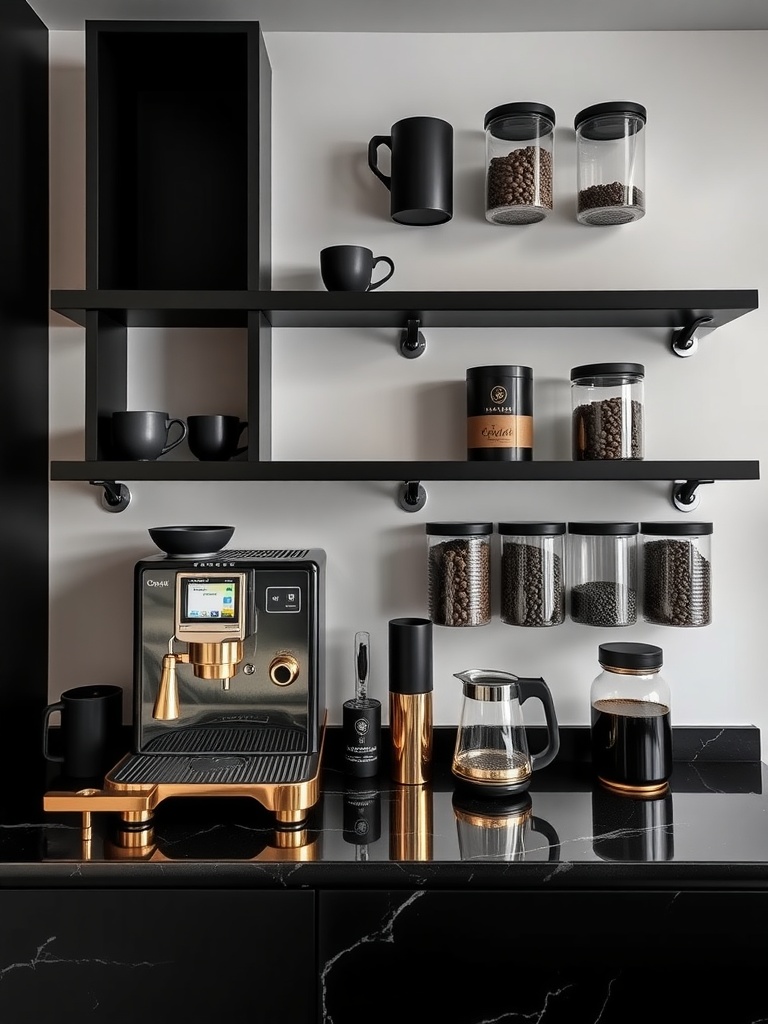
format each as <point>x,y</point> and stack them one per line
<point>532,573</point>
<point>677,573</point>
<point>610,160</point>
<point>519,146</point>
<point>608,411</point>
<point>459,573</point>
<point>602,561</point>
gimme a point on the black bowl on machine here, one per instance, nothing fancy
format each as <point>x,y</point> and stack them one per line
<point>191,541</point>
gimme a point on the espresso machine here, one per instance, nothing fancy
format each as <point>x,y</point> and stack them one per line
<point>228,686</point>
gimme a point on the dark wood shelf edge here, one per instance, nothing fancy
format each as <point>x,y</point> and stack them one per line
<point>396,471</point>
<point>643,308</point>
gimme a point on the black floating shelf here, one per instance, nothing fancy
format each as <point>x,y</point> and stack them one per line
<point>668,309</point>
<point>440,470</point>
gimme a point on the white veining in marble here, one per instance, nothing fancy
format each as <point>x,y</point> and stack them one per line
<point>705,744</point>
<point>43,957</point>
<point>536,1017</point>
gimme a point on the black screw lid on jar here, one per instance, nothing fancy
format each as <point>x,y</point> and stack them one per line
<point>499,371</point>
<point>626,655</point>
<point>522,121</point>
<point>532,529</point>
<point>610,120</point>
<point>604,529</point>
<point>608,370</point>
<point>458,529</point>
<point>677,529</point>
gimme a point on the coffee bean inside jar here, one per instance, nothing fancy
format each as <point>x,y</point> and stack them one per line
<point>610,160</point>
<point>677,573</point>
<point>459,573</point>
<point>608,411</point>
<point>519,140</point>
<point>532,573</point>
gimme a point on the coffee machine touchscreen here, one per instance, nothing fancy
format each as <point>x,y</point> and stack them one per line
<point>210,600</point>
<point>212,604</point>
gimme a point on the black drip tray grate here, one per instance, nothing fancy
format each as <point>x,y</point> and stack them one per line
<point>231,738</point>
<point>215,769</point>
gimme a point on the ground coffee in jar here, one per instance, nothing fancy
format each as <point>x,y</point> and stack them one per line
<point>500,413</point>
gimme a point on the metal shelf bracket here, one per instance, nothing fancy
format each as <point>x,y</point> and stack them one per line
<point>684,341</point>
<point>116,496</point>
<point>412,341</point>
<point>684,496</point>
<point>412,496</point>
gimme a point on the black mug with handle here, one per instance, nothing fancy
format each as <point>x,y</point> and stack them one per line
<point>421,179</point>
<point>91,724</point>
<point>349,268</point>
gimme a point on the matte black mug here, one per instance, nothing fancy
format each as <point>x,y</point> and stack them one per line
<point>421,179</point>
<point>349,268</point>
<point>91,724</point>
<point>143,436</point>
<point>215,438</point>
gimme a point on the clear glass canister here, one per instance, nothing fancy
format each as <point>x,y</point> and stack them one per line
<point>532,573</point>
<point>607,401</point>
<point>459,573</point>
<point>677,573</point>
<point>631,726</point>
<point>610,157</point>
<point>519,146</point>
<point>602,560</point>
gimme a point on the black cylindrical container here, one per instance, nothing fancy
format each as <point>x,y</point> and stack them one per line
<point>361,729</point>
<point>410,700</point>
<point>500,413</point>
<point>421,182</point>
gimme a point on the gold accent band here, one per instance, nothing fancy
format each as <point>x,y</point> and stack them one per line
<point>410,729</point>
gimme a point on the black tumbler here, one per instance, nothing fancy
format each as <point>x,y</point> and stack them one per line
<point>410,700</point>
<point>421,179</point>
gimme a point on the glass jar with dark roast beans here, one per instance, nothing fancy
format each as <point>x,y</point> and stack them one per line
<point>631,727</point>
<point>500,413</point>
<point>602,560</point>
<point>459,573</point>
<point>532,573</point>
<point>610,157</point>
<point>519,143</point>
<point>608,411</point>
<point>677,573</point>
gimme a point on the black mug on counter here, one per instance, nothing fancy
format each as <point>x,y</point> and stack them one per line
<point>143,435</point>
<point>215,438</point>
<point>91,724</point>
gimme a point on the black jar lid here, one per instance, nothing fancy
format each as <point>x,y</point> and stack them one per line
<point>608,370</point>
<point>676,529</point>
<point>626,655</point>
<point>524,121</point>
<point>532,529</point>
<point>499,371</point>
<point>610,120</point>
<point>604,529</point>
<point>459,529</point>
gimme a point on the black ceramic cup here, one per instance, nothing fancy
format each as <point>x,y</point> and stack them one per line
<point>349,268</point>
<point>215,438</point>
<point>421,182</point>
<point>91,724</point>
<point>142,435</point>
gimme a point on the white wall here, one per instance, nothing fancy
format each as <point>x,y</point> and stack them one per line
<point>349,394</point>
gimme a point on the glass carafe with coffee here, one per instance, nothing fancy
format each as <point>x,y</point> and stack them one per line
<point>631,730</point>
<point>491,754</point>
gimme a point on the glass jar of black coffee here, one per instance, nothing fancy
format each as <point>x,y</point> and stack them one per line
<point>631,727</point>
<point>677,573</point>
<point>519,144</point>
<point>500,413</point>
<point>459,573</point>
<point>532,573</point>
<point>610,157</point>
<point>602,560</point>
<point>607,404</point>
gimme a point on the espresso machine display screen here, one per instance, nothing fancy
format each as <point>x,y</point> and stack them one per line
<point>210,600</point>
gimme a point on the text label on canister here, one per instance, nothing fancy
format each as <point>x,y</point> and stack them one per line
<point>500,413</point>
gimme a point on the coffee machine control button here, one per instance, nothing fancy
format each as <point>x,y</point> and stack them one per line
<point>283,599</point>
<point>283,669</point>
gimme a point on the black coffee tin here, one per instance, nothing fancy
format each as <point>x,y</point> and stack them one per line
<point>500,413</point>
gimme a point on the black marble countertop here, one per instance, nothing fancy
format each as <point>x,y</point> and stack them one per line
<point>709,831</point>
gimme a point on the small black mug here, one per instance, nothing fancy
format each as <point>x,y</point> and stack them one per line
<point>349,268</point>
<point>215,438</point>
<point>421,179</point>
<point>91,724</point>
<point>142,435</point>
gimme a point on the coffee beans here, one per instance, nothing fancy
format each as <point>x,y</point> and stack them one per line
<point>603,603</point>
<point>532,586</point>
<point>519,186</point>
<point>611,203</point>
<point>609,429</point>
<point>459,582</point>
<point>677,584</point>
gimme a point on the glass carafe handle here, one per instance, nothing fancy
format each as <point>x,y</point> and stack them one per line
<point>538,688</point>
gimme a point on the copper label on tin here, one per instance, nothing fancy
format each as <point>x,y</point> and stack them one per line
<point>500,431</point>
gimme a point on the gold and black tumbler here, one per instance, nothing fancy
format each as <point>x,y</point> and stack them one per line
<point>410,700</point>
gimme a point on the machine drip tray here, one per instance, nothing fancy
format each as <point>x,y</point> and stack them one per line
<point>213,769</point>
